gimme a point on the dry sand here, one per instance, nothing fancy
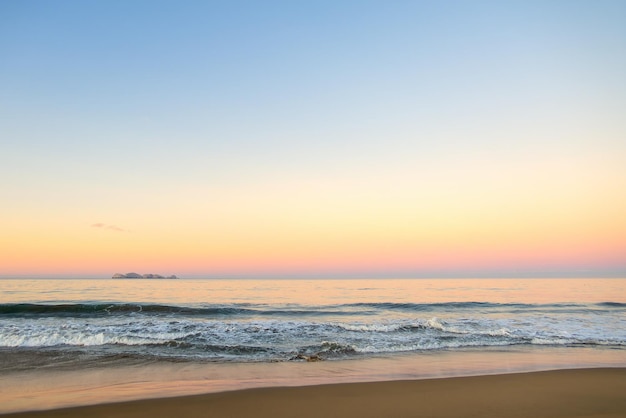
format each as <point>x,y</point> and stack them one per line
<point>561,393</point>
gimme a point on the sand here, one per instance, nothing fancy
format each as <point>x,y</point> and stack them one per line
<point>560,393</point>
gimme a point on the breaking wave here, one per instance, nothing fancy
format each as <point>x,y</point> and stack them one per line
<point>263,332</point>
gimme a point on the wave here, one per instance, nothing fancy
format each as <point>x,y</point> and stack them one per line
<point>279,332</point>
<point>452,306</point>
<point>110,308</point>
<point>428,306</point>
<point>612,304</point>
<point>87,339</point>
<point>88,309</point>
<point>95,309</point>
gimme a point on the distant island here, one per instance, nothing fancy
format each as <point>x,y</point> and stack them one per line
<point>141,276</point>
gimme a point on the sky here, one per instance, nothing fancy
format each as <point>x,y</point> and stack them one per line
<point>313,138</point>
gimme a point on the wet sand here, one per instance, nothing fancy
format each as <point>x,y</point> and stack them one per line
<point>560,393</point>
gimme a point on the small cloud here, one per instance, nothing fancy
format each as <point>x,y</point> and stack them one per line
<point>115,228</point>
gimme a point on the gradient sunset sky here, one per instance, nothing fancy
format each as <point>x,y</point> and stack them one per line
<point>313,138</point>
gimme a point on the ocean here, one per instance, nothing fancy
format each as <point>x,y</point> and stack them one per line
<point>263,332</point>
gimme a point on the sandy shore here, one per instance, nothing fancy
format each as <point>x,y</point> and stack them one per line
<point>561,393</point>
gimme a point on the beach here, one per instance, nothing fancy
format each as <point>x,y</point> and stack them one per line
<point>313,209</point>
<point>559,393</point>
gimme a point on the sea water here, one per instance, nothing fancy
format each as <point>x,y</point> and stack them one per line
<point>261,331</point>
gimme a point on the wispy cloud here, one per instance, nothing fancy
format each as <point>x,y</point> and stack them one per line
<point>109,227</point>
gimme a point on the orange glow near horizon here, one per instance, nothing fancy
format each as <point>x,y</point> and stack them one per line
<point>376,254</point>
<point>389,227</point>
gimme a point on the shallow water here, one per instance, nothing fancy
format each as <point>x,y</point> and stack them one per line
<point>54,388</point>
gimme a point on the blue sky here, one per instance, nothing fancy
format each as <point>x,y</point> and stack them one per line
<point>268,75</point>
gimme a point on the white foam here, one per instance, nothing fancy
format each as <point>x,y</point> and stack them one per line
<point>365,334</point>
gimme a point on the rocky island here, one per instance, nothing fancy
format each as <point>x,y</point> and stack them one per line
<point>141,276</point>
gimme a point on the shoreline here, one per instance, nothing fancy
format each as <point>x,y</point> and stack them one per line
<point>105,382</point>
<point>593,392</point>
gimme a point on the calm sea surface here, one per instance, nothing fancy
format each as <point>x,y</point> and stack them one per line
<point>71,323</point>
